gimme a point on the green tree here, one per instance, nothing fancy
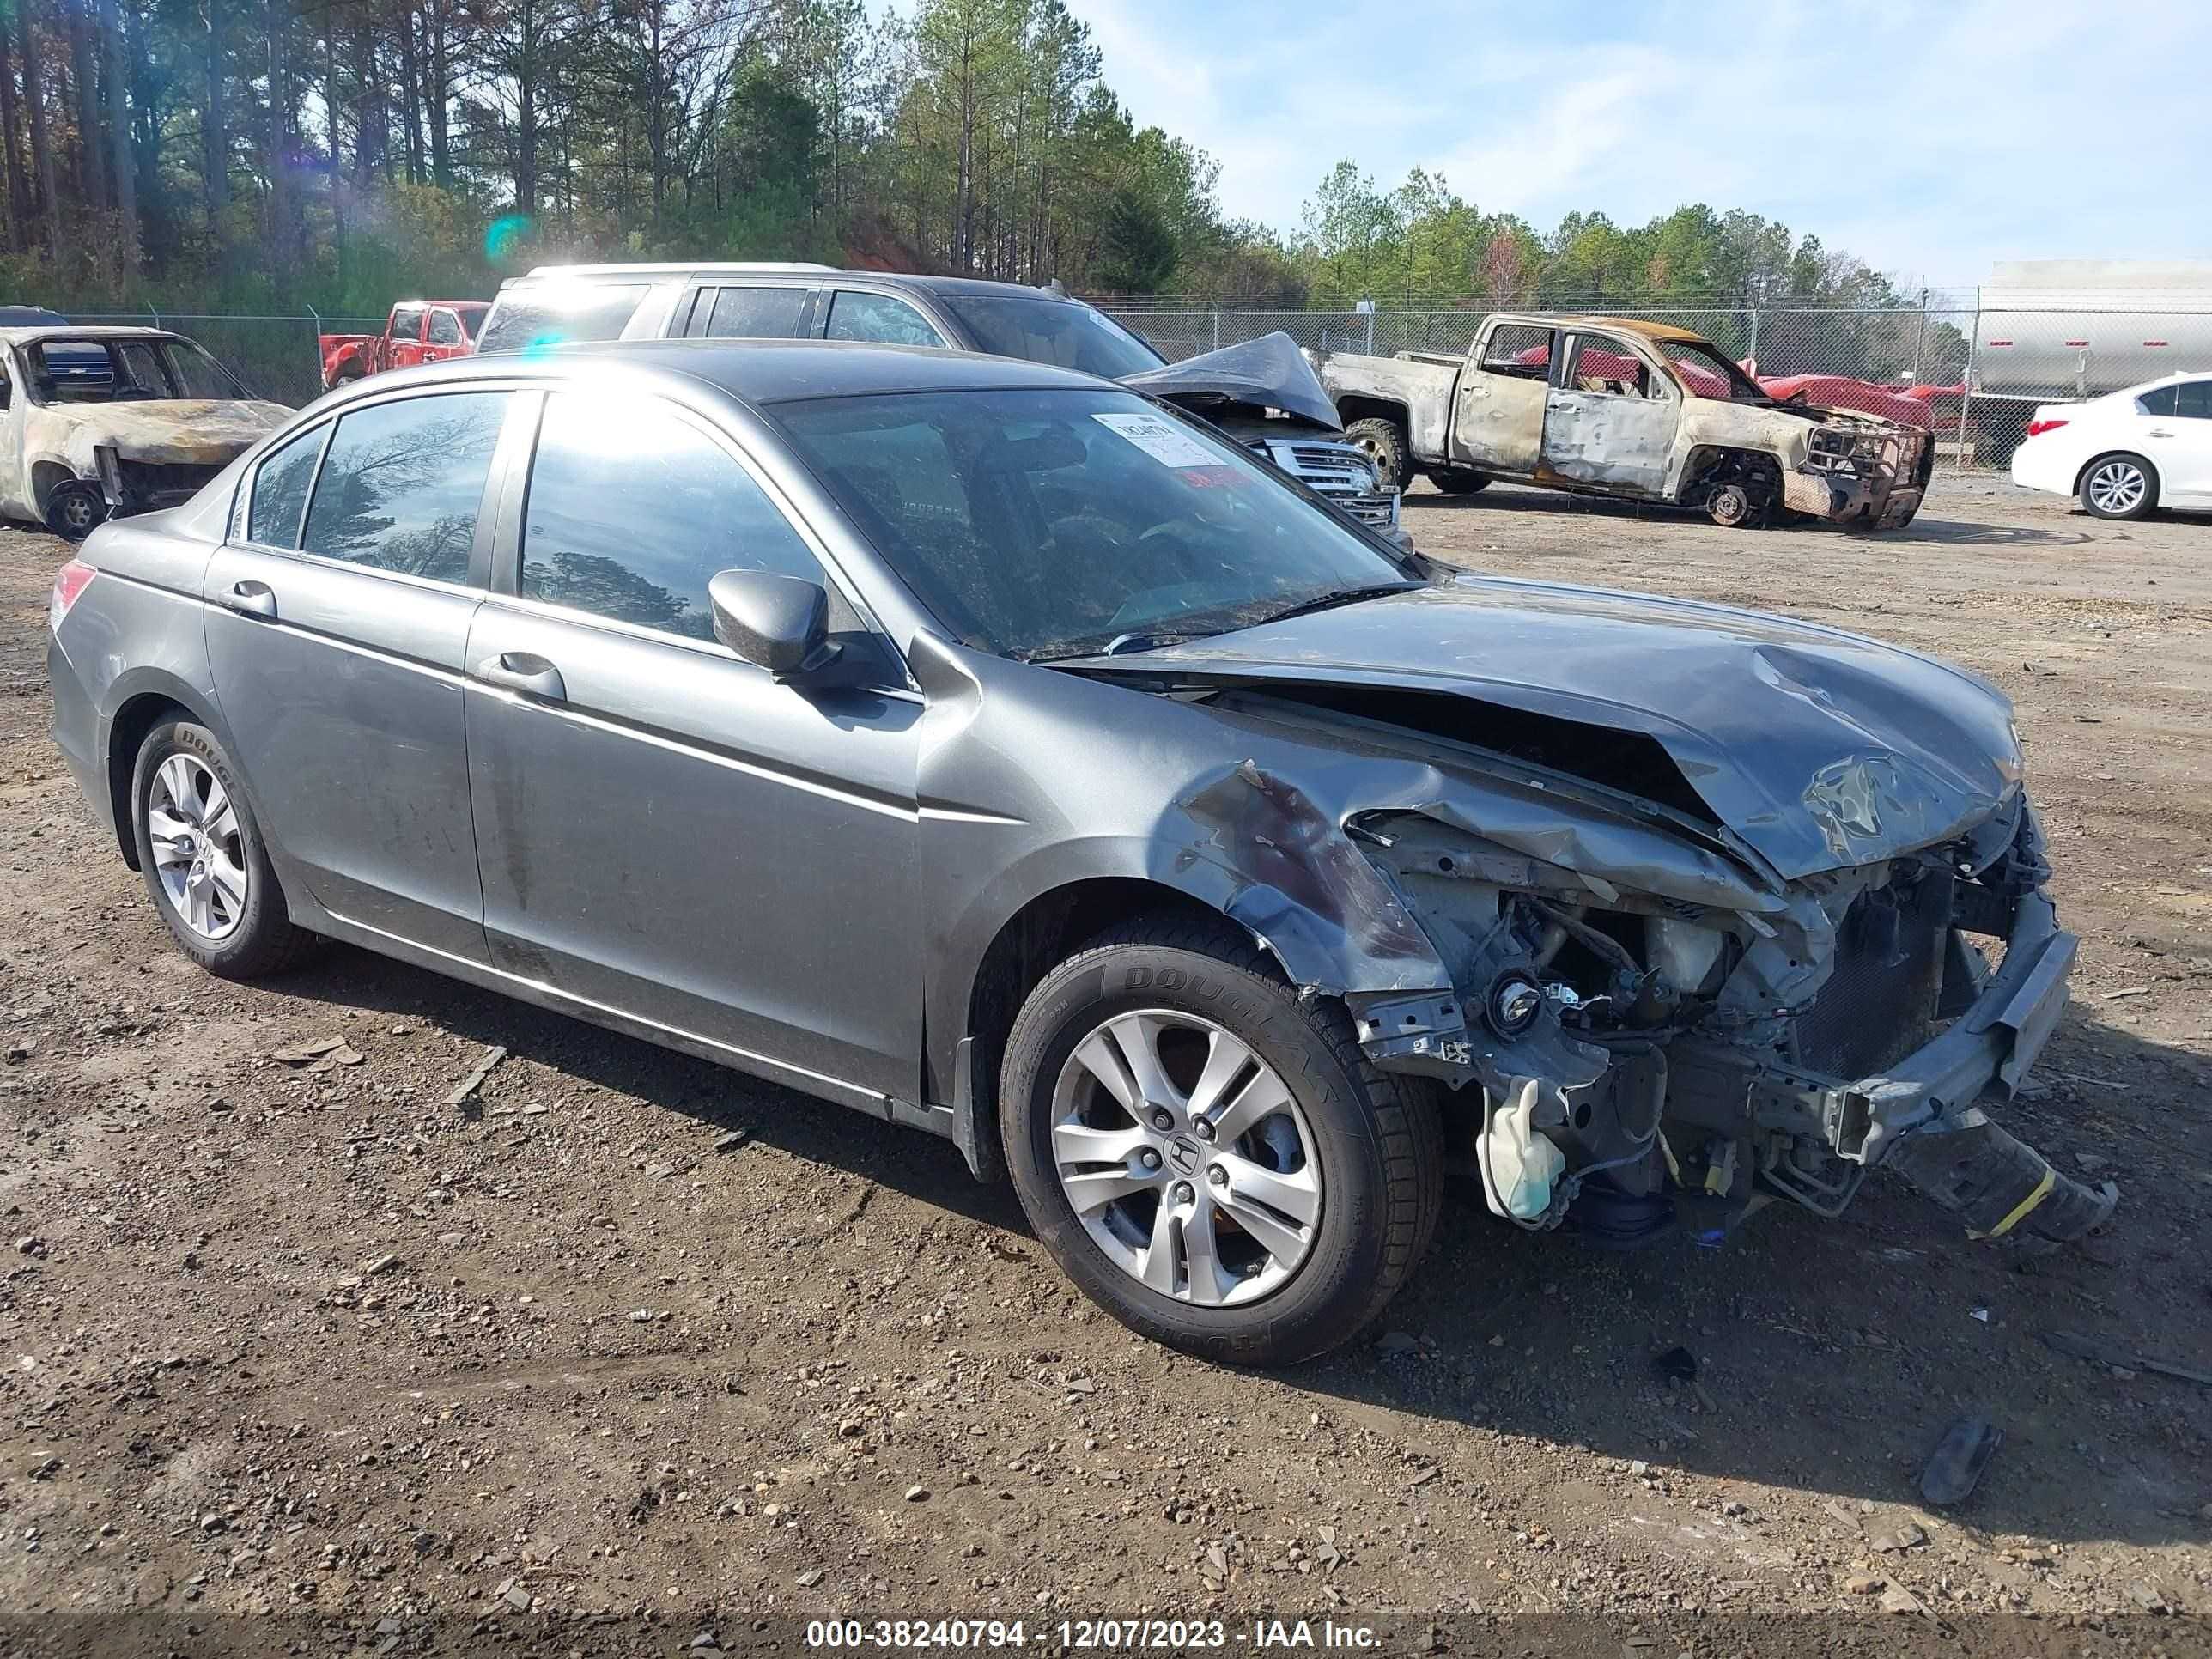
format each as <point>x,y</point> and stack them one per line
<point>1138,252</point>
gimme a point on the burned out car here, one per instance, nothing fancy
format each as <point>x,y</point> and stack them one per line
<point>101,421</point>
<point>1636,410</point>
<point>978,744</point>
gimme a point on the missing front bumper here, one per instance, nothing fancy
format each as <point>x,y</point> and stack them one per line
<point>1919,1119</point>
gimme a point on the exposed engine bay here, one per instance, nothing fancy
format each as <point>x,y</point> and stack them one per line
<point>1653,1055</point>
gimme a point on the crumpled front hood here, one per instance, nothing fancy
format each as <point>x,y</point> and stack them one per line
<point>1821,749</point>
<point>1268,373</point>
<point>192,432</point>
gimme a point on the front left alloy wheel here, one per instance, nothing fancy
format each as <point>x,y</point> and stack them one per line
<point>1211,1157</point>
<point>202,855</point>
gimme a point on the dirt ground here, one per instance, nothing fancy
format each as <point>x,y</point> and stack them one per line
<point>631,1349</point>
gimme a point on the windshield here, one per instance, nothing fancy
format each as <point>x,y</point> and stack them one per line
<point>1066,333</point>
<point>1709,375</point>
<point>126,371</point>
<point>1038,524</point>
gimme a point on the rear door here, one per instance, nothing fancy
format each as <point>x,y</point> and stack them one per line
<point>664,830</point>
<point>404,349</point>
<point>337,620</point>
<point>1609,416</point>
<point>750,310</point>
<point>1497,408</point>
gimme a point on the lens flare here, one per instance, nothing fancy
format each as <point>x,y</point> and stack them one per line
<point>504,235</point>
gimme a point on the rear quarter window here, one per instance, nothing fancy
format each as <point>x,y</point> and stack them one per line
<point>280,490</point>
<point>557,314</point>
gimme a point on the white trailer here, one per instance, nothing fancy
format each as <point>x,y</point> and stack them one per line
<point>2052,329</point>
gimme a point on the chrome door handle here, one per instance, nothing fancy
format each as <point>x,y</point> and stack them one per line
<point>251,598</point>
<point>521,670</point>
<point>2158,432</point>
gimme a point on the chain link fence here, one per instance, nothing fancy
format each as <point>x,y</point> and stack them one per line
<point>1971,373</point>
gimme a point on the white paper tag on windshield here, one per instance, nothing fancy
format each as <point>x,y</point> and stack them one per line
<point>1161,438</point>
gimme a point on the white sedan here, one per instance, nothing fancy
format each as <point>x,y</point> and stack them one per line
<point>2127,452</point>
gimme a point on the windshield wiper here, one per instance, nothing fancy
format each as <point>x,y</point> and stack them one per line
<point>1331,600</point>
<point>1123,644</point>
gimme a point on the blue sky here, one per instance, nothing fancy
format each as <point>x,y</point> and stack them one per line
<point>1930,139</point>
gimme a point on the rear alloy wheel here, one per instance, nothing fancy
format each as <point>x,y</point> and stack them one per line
<point>202,855</point>
<point>1384,441</point>
<point>75,509</point>
<point>1211,1159</point>
<point>2119,487</point>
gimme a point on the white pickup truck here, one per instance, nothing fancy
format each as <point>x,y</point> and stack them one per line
<point>1629,409</point>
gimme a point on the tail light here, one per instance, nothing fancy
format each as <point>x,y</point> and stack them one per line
<point>71,580</point>
<point>2036,429</point>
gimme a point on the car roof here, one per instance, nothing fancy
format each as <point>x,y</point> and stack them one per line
<point>96,331</point>
<point>981,287</point>
<point>771,371</point>
<point>2170,378</point>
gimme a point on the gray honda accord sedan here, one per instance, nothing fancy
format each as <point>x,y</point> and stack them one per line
<point>981,745</point>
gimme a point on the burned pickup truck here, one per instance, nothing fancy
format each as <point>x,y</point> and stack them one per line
<point>1635,410</point>
<point>100,422</point>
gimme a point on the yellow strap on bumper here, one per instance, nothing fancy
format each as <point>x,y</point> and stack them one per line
<point>2021,1210</point>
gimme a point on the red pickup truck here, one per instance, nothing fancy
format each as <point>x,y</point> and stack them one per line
<point>418,332</point>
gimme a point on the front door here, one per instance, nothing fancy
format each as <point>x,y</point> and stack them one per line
<point>1609,417</point>
<point>336,629</point>
<point>1497,411</point>
<point>664,830</point>
<point>443,336</point>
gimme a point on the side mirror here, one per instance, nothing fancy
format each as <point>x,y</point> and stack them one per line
<point>780,623</point>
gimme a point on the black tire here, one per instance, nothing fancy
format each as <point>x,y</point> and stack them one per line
<point>1386,445</point>
<point>75,508</point>
<point>1378,1138</point>
<point>1458,480</point>
<point>265,941</point>
<point>2089,493</point>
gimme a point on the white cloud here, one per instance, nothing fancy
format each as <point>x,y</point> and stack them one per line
<point>1930,140</point>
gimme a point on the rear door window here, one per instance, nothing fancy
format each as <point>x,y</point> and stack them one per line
<point>280,490</point>
<point>2192,399</point>
<point>1519,350</point>
<point>407,323</point>
<point>756,313</point>
<point>854,315</point>
<point>632,509</point>
<point>404,481</point>
<point>557,313</point>
<point>2159,402</point>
